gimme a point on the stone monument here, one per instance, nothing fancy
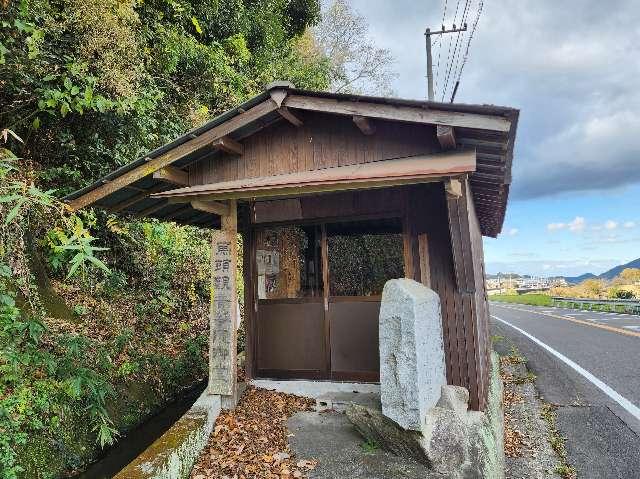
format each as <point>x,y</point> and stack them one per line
<point>412,367</point>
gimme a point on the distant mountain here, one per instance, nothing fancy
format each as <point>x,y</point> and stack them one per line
<point>579,279</point>
<point>613,272</point>
<point>608,275</point>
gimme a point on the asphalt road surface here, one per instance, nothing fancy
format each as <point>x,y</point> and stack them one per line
<point>588,364</point>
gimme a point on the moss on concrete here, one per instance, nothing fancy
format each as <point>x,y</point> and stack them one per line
<point>173,454</point>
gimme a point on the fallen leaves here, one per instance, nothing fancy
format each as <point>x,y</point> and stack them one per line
<point>514,440</point>
<point>251,441</point>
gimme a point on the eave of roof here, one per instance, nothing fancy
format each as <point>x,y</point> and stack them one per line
<point>490,183</point>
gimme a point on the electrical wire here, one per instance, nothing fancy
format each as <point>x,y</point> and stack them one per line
<point>451,42</point>
<point>455,50</point>
<point>461,36</point>
<point>439,39</point>
<point>466,53</point>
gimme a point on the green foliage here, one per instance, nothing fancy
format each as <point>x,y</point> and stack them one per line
<point>527,298</point>
<point>103,82</point>
<point>618,293</point>
<point>38,383</point>
<point>89,86</point>
<point>370,446</point>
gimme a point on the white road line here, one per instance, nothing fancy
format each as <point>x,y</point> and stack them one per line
<point>622,401</point>
<point>634,328</point>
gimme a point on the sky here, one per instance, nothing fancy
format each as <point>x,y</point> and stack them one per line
<point>573,70</point>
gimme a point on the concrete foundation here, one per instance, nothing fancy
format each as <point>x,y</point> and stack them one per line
<point>173,454</point>
<point>315,389</point>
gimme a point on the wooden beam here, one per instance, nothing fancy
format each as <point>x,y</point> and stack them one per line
<point>172,175</point>
<point>136,198</point>
<point>295,191</point>
<point>215,207</point>
<point>289,116</point>
<point>174,154</point>
<point>412,114</point>
<point>366,127</point>
<point>453,187</point>
<point>446,137</point>
<point>228,145</point>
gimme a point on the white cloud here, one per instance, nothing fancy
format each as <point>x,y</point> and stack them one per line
<point>629,224</point>
<point>577,224</point>
<point>513,231</point>
<point>611,225</point>
<point>556,226</point>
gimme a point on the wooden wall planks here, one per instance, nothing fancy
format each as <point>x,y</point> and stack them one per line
<point>457,275</point>
<point>324,141</point>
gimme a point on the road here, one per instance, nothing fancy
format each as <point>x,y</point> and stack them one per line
<point>587,363</point>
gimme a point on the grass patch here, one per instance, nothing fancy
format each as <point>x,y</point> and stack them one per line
<point>531,299</point>
<point>370,446</point>
<point>557,443</point>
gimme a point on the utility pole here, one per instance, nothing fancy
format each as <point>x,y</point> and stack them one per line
<point>428,34</point>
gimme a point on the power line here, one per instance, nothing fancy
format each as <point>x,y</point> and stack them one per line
<point>466,53</point>
<point>458,51</point>
<point>455,50</point>
<point>455,14</point>
<point>439,39</point>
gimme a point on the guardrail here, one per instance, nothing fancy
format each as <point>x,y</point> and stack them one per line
<point>631,306</point>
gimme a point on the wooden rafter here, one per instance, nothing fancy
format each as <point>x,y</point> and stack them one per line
<point>172,175</point>
<point>446,137</point>
<point>228,145</point>
<point>290,116</point>
<point>123,205</point>
<point>365,126</point>
<point>151,209</point>
<point>492,145</point>
<point>174,154</point>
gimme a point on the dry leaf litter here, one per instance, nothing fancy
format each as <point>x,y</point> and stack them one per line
<point>251,441</point>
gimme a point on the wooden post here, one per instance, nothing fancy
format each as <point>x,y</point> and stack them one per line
<point>224,306</point>
<point>425,266</point>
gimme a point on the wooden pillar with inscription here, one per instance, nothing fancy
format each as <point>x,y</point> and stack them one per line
<point>224,308</point>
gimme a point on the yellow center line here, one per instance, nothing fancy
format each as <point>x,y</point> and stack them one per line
<point>612,329</point>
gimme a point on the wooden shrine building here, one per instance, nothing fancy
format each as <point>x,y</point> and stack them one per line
<point>333,195</point>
